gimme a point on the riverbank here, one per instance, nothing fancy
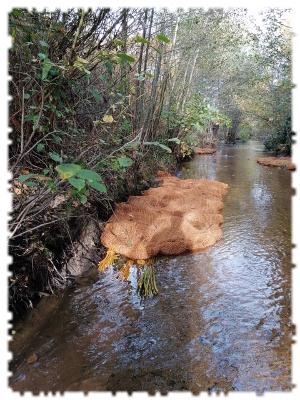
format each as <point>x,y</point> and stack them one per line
<point>63,241</point>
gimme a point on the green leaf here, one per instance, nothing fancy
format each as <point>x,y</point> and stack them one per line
<point>175,139</point>
<point>96,95</point>
<point>17,13</point>
<point>88,174</point>
<point>132,145</point>
<point>30,183</point>
<point>57,139</point>
<point>118,42</point>
<point>103,77</point>
<point>47,64</point>
<point>158,51</point>
<point>40,147</point>
<point>98,186</point>
<point>23,178</point>
<point>149,75</point>
<point>55,157</point>
<point>150,143</point>
<point>160,145</point>
<point>140,39</point>
<point>66,171</point>
<point>126,57</point>
<point>80,66</point>
<point>125,161</point>
<point>163,38</point>
<point>198,127</point>
<point>43,44</point>
<point>82,198</point>
<point>163,146</point>
<point>52,186</point>
<point>26,96</point>
<point>109,67</point>
<point>69,209</point>
<point>85,191</point>
<point>140,78</point>
<point>77,183</point>
<point>42,56</point>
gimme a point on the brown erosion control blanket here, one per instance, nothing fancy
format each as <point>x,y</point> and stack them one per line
<point>277,162</point>
<point>179,216</point>
<point>204,150</point>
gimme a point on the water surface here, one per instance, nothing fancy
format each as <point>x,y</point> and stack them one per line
<point>221,320</point>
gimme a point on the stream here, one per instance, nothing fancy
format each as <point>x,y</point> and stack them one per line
<point>220,322</point>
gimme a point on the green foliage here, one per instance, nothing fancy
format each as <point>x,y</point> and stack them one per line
<point>80,179</point>
<point>161,145</point>
<point>272,142</point>
<point>281,140</point>
<point>163,38</point>
<point>23,178</point>
<point>194,124</point>
<point>186,145</point>
<point>139,39</point>
<point>125,161</point>
<point>126,57</point>
<point>245,131</point>
<point>197,115</point>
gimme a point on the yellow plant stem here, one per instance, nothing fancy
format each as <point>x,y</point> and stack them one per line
<point>124,272</point>
<point>108,260</point>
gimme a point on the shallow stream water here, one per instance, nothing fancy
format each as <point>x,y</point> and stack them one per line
<point>221,320</point>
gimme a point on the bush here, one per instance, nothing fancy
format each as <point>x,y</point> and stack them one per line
<point>245,131</point>
<point>281,141</point>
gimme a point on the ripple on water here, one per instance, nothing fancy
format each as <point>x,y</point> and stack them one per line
<point>222,316</point>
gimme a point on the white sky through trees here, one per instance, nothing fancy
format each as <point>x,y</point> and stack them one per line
<point>259,11</point>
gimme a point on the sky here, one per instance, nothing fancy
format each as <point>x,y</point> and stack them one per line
<point>256,13</point>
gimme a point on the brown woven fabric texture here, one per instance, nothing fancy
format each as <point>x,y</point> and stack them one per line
<point>179,216</point>
<point>277,162</point>
<point>204,150</point>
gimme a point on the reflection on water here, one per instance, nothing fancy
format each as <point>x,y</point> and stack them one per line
<point>221,321</point>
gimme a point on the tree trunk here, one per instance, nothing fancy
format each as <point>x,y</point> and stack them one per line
<point>186,93</point>
<point>171,61</point>
<point>124,49</point>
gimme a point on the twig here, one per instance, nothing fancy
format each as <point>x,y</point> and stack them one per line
<point>22,121</point>
<point>44,224</point>
<point>70,61</point>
